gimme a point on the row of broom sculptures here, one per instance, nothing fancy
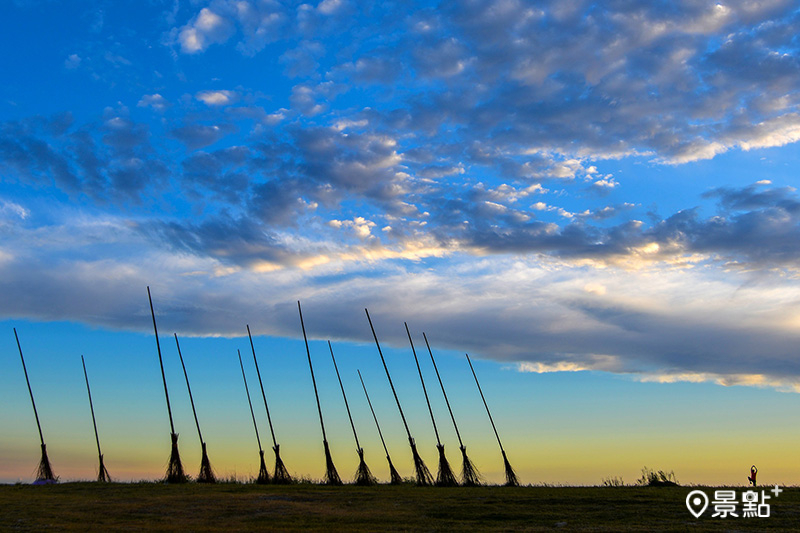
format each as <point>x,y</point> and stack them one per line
<point>363,476</point>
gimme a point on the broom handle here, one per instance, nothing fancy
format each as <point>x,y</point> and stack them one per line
<point>261,383</point>
<point>250,403</point>
<point>424,389</point>
<point>453,418</point>
<point>30,391</point>
<point>91,407</point>
<point>388,376</point>
<point>373,413</point>
<point>484,404</point>
<point>161,362</point>
<point>191,399</point>
<point>314,381</point>
<point>352,425</point>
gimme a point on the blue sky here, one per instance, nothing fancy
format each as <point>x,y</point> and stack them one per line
<point>572,192</point>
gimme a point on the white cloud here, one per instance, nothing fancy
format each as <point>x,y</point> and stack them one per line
<point>358,225</point>
<point>568,315</point>
<point>606,183</point>
<point>215,98</point>
<point>73,61</point>
<point>543,368</point>
<point>595,288</point>
<point>11,212</point>
<point>306,101</point>
<point>156,101</point>
<point>205,29</point>
<point>329,7</point>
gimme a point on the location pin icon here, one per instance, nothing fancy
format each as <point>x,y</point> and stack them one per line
<point>697,502</point>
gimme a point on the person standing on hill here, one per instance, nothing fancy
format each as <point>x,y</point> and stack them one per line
<point>752,477</point>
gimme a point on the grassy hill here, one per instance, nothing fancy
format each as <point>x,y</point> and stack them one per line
<point>304,507</point>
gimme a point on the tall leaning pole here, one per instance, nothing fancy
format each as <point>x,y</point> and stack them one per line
<point>175,473</point>
<point>445,476</point>
<point>470,477</point>
<point>206,474</point>
<point>281,475</point>
<point>363,475</point>
<point>331,475</point>
<point>44,473</point>
<point>263,475</point>
<point>424,477</point>
<point>394,476</point>
<point>102,473</point>
<point>511,476</point>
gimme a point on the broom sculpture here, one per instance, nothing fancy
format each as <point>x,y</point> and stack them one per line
<point>281,474</point>
<point>331,475</point>
<point>44,473</point>
<point>263,475</point>
<point>470,477</point>
<point>394,477</point>
<point>511,476</point>
<point>363,475</point>
<point>206,474</point>
<point>424,477</point>
<point>445,477</point>
<point>102,473</point>
<point>175,473</point>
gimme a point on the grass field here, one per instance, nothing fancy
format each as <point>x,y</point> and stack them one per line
<point>246,507</point>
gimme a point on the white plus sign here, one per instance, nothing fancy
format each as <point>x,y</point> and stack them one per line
<point>776,491</point>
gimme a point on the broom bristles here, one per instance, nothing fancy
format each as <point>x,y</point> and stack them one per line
<point>331,475</point>
<point>102,475</point>
<point>469,474</point>
<point>363,475</point>
<point>44,473</point>
<point>394,475</point>
<point>511,476</point>
<point>206,473</point>
<point>175,473</point>
<point>263,475</point>
<point>281,473</point>
<point>445,476</point>
<point>424,477</point>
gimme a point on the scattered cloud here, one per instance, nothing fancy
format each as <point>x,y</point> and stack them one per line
<point>458,164</point>
<point>156,101</point>
<point>205,29</point>
<point>73,61</point>
<point>196,136</point>
<point>216,98</point>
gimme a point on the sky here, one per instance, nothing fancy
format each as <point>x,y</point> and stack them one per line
<point>596,201</point>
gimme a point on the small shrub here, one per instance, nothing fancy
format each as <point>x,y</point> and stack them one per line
<point>651,478</point>
<point>613,482</point>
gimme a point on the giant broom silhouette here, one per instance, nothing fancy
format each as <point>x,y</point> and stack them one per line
<point>424,477</point>
<point>102,473</point>
<point>445,477</point>
<point>511,476</point>
<point>175,473</point>
<point>263,475</point>
<point>44,473</point>
<point>331,475</point>
<point>206,474</point>
<point>394,476</point>
<point>363,474</point>
<point>281,475</point>
<point>470,476</point>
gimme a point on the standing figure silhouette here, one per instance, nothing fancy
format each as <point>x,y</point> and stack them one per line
<point>752,477</point>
